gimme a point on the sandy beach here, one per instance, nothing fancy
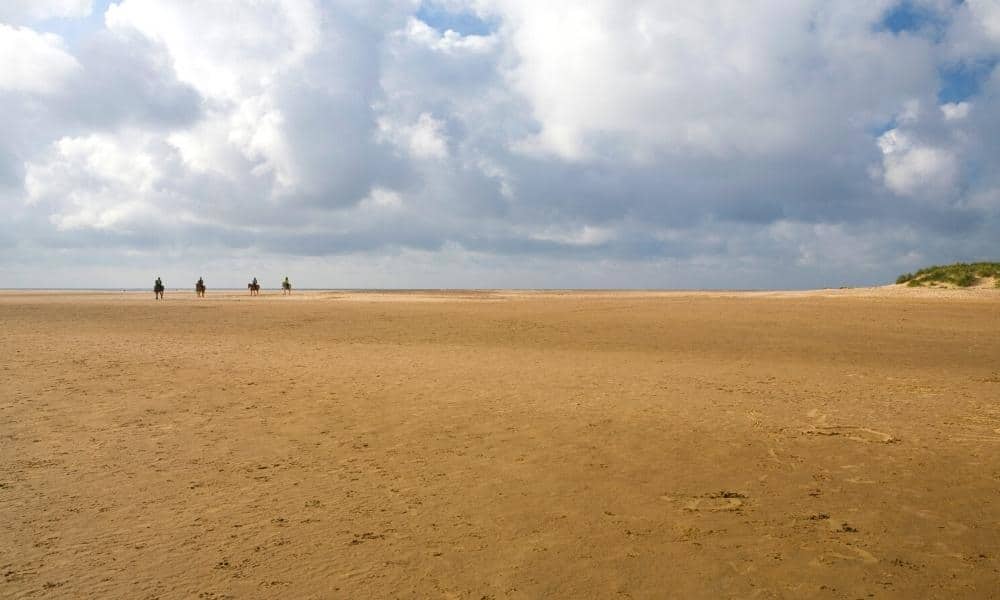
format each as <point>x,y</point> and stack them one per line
<point>488,445</point>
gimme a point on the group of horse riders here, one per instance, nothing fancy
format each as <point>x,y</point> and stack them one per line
<point>199,287</point>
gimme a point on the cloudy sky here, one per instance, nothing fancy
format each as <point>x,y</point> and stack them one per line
<point>496,143</point>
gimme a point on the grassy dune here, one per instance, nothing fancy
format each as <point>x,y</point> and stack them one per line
<point>958,274</point>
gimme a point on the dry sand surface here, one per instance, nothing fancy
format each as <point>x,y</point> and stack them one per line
<point>488,445</point>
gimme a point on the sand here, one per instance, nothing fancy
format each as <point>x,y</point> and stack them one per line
<point>488,445</point>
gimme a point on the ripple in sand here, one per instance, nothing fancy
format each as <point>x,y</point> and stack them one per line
<point>861,434</point>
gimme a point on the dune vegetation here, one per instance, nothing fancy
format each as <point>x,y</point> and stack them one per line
<point>958,274</point>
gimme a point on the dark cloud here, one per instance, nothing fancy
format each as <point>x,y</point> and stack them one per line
<point>126,80</point>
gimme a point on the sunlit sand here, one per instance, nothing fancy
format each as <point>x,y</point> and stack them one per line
<point>477,444</point>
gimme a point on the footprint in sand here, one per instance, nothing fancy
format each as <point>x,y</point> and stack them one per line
<point>850,554</point>
<point>861,434</point>
<point>815,415</point>
<point>722,501</point>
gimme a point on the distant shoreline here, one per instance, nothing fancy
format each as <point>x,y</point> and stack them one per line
<point>884,291</point>
<point>405,290</point>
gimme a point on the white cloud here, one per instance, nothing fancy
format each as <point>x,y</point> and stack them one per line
<point>955,111</point>
<point>96,182</point>
<point>226,51</point>
<point>424,139</point>
<point>207,147</point>
<point>987,14</point>
<point>16,11</point>
<point>975,30</point>
<point>382,199</point>
<point>33,62</point>
<point>449,41</point>
<point>714,78</point>
<point>912,168</point>
<point>235,57</point>
<point>587,235</point>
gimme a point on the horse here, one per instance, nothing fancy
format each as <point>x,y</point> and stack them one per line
<point>254,289</point>
<point>158,290</point>
<point>199,289</point>
<point>286,288</point>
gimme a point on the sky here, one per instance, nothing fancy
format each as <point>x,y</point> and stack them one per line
<point>496,143</point>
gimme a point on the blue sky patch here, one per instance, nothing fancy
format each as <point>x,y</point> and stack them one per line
<point>74,30</point>
<point>907,16</point>
<point>463,22</point>
<point>963,80</point>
